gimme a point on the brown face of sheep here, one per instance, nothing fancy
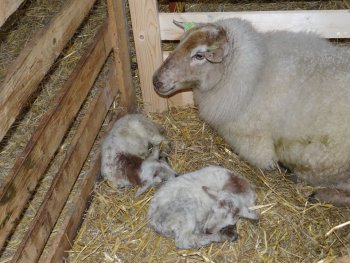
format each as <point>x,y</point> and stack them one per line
<point>197,62</point>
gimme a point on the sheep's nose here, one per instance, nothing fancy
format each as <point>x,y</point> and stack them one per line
<point>156,82</point>
<point>176,175</point>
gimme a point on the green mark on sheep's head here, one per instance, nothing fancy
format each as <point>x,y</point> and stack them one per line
<point>188,25</point>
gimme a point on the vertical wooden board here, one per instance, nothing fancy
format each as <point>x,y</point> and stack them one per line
<point>144,17</point>
<point>119,34</point>
<point>31,164</point>
<point>7,8</point>
<point>37,57</point>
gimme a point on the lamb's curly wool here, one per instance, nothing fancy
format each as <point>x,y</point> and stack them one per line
<point>275,96</point>
<point>201,207</point>
<point>131,154</point>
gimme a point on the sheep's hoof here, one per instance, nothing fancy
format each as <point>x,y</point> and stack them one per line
<point>333,196</point>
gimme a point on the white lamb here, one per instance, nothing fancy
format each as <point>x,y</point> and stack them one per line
<point>131,154</point>
<point>201,207</point>
<point>274,97</point>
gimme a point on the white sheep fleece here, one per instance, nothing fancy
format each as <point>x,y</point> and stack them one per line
<point>180,208</point>
<point>285,97</point>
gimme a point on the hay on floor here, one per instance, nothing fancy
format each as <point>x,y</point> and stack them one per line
<point>290,230</point>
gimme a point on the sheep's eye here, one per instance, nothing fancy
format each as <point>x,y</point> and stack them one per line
<point>199,56</point>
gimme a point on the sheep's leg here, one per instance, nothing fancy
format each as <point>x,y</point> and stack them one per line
<point>256,148</point>
<point>334,196</point>
<point>190,240</point>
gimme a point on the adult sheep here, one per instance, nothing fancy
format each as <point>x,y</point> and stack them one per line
<point>274,97</point>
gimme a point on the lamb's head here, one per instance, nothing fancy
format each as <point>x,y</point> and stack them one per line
<point>154,172</point>
<point>197,62</point>
<point>226,211</point>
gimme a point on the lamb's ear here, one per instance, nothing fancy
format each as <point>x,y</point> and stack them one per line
<point>141,190</point>
<point>245,212</point>
<point>212,193</point>
<point>185,25</point>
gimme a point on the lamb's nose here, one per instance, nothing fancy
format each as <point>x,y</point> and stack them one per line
<point>207,231</point>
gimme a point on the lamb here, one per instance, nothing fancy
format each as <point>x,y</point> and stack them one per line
<point>131,154</point>
<point>201,207</point>
<point>275,97</point>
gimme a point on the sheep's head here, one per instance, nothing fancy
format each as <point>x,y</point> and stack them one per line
<point>225,212</point>
<point>197,62</point>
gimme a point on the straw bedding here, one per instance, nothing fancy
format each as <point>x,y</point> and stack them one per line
<point>290,229</point>
<point>115,226</point>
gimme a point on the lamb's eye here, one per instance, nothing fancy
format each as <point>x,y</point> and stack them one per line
<point>199,56</point>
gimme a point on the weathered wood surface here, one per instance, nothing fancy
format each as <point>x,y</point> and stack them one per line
<point>7,8</point>
<point>36,59</point>
<point>327,23</point>
<point>119,33</point>
<point>32,163</point>
<point>65,236</point>
<point>40,229</point>
<point>144,17</point>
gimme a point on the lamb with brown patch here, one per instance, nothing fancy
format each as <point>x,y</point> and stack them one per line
<point>274,97</point>
<point>132,154</point>
<point>201,207</point>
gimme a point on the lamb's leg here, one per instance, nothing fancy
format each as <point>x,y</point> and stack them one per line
<point>190,240</point>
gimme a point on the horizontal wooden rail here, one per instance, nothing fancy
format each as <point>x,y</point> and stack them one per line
<point>7,8</point>
<point>67,232</point>
<point>327,23</point>
<point>40,228</point>
<point>32,163</point>
<point>36,59</point>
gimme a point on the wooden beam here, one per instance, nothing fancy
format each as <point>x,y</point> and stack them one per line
<point>7,8</point>
<point>327,23</point>
<point>67,232</point>
<point>36,59</point>
<point>32,163</point>
<point>40,228</point>
<point>144,17</point>
<point>119,33</point>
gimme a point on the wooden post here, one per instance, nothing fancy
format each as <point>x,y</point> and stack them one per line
<point>144,17</point>
<point>119,35</point>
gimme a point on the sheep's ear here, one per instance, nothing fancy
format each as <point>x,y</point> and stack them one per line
<point>185,25</point>
<point>245,212</point>
<point>215,55</point>
<point>212,193</point>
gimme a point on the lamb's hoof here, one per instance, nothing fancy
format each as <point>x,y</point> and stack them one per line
<point>333,196</point>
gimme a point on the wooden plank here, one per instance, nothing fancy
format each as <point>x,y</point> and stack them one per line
<point>31,164</point>
<point>120,40</point>
<point>67,232</point>
<point>37,57</point>
<point>144,17</point>
<point>40,228</point>
<point>327,23</point>
<point>7,8</point>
